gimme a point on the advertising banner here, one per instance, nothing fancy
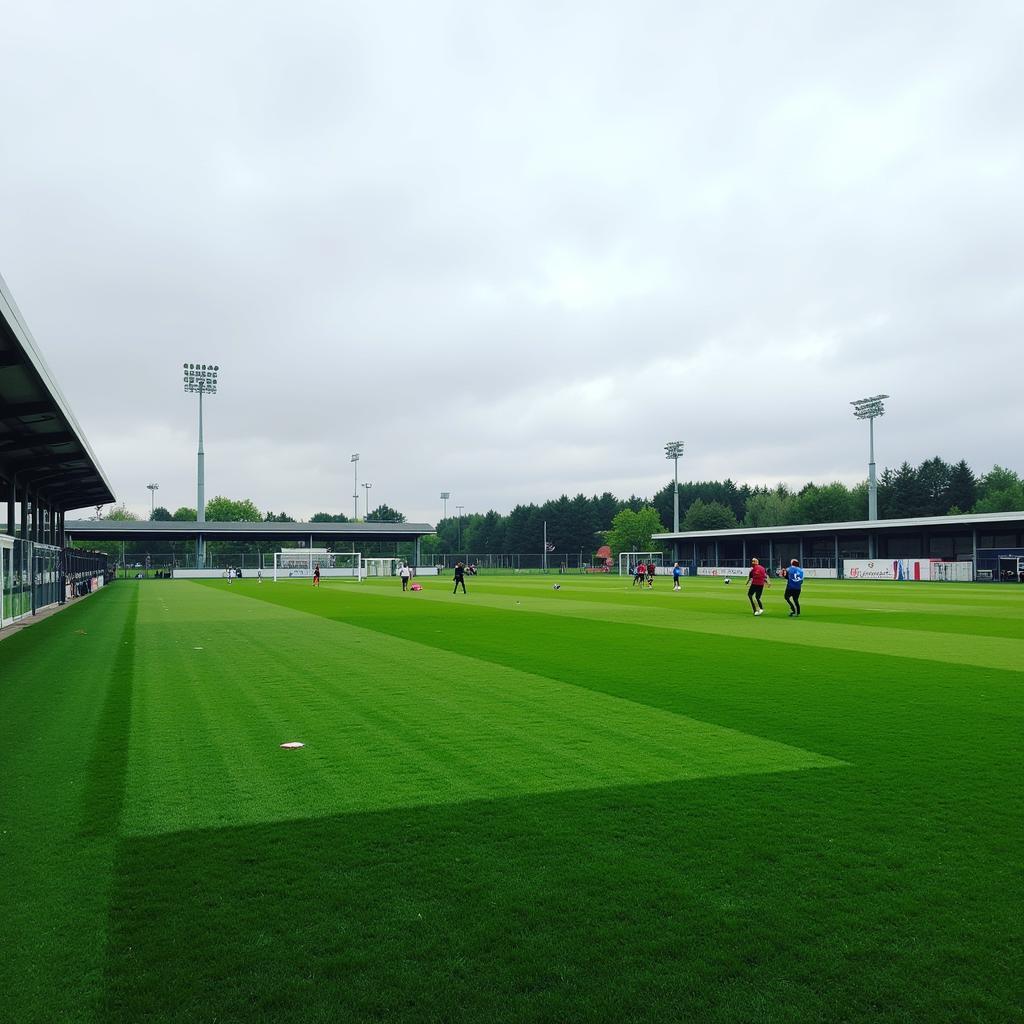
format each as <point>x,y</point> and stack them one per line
<point>887,568</point>
<point>741,571</point>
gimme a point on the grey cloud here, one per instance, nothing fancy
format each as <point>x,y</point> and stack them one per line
<point>508,252</point>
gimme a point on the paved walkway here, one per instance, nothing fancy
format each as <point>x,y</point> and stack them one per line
<point>43,613</point>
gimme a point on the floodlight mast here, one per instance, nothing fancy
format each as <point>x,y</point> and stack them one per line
<point>355,487</point>
<point>201,377</point>
<point>445,495</point>
<point>868,409</point>
<point>153,488</point>
<point>366,510</point>
<point>673,451</point>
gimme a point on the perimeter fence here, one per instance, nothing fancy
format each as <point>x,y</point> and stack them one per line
<point>34,576</point>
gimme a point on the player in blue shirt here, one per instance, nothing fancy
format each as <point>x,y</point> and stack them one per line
<point>794,581</point>
<point>677,576</point>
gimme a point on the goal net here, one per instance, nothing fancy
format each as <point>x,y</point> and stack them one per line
<point>299,563</point>
<point>381,566</point>
<point>628,561</point>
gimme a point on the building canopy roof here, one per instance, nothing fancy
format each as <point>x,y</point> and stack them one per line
<point>990,519</point>
<point>41,444</point>
<point>116,529</point>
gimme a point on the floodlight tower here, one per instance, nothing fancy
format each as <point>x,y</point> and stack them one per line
<point>460,508</point>
<point>201,378</point>
<point>445,495</point>
<point>366,511</point>
<point>673,450</point>
<point>152,488</point>
<point>868,409</point>
<point>355,487</point>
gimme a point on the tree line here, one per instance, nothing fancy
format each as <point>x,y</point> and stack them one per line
<point>582,523</point>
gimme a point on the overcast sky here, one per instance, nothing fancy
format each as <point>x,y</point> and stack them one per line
<point>510,250</point>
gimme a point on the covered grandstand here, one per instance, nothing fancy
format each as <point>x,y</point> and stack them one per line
<point>47,468</point>
<point>991,543</point>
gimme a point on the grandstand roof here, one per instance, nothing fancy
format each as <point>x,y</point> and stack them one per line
<point>116,529</point>
<point>41,443</point>
<point>859,526</point>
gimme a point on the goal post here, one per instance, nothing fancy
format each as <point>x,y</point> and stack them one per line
<point>300,563</point>
<point>629,559</point>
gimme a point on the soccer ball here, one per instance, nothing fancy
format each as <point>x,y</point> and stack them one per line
<point>727,581</point>
<point>557,586</point>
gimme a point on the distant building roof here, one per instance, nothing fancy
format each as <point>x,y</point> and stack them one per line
<point>116,529</point>
<point>860,526</point>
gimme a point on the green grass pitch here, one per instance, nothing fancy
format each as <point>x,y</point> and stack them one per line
<point>521,804</point>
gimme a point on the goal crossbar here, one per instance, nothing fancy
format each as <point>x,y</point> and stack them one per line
<point>301,563</point>
<point>627,559</point>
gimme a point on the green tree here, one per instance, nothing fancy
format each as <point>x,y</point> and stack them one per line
<point>831,503</point>
<point>226,510</point>
<point>277,517</point>
<point>328,517</point>
<point>184,515</point>
<point>160,515</point>
<point>1001,490</point>
<point>906,496</point>
<point>384,514</point>
<point>933,477</point>
<point>859,502</point>
<point>122,514</point>
<point>605,508</point>
<point>632,531</point>
<point>963,487</point>
<point>708,515</point>
<point>775,507</point>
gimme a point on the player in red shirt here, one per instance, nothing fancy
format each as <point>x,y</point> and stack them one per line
<point>316,575</point>
<point>650,574</point>
<point>758,579</point>
<point>641,574</point>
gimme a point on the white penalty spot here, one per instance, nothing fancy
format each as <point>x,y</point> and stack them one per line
<point>293,745</point>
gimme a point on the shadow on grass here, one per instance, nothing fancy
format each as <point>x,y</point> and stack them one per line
<point>718,900</point>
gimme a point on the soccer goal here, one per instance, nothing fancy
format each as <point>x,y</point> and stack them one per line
<point>381,566</point>
<point>299,563</point>
<point>629,559</point>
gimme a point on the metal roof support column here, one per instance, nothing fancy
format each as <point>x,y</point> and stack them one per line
<point>744,550</point>
<point>24,513</point>
<point>417,554</point>
<point>974,552</point>
<point>771,557</point>
<point>12,498</point>
<point>838,573</point>
<point>718,561</point>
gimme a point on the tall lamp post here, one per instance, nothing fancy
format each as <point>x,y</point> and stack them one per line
<point>673,450</point>
<point>355,487</point>
<point>460,508</point>
<point>445,495</point>
<point>201,378</point>
<point>152,488</point>
<point>868,409</point>
<point>366,507</point>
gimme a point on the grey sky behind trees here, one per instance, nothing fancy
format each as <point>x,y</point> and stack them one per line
<point>509,251</point>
